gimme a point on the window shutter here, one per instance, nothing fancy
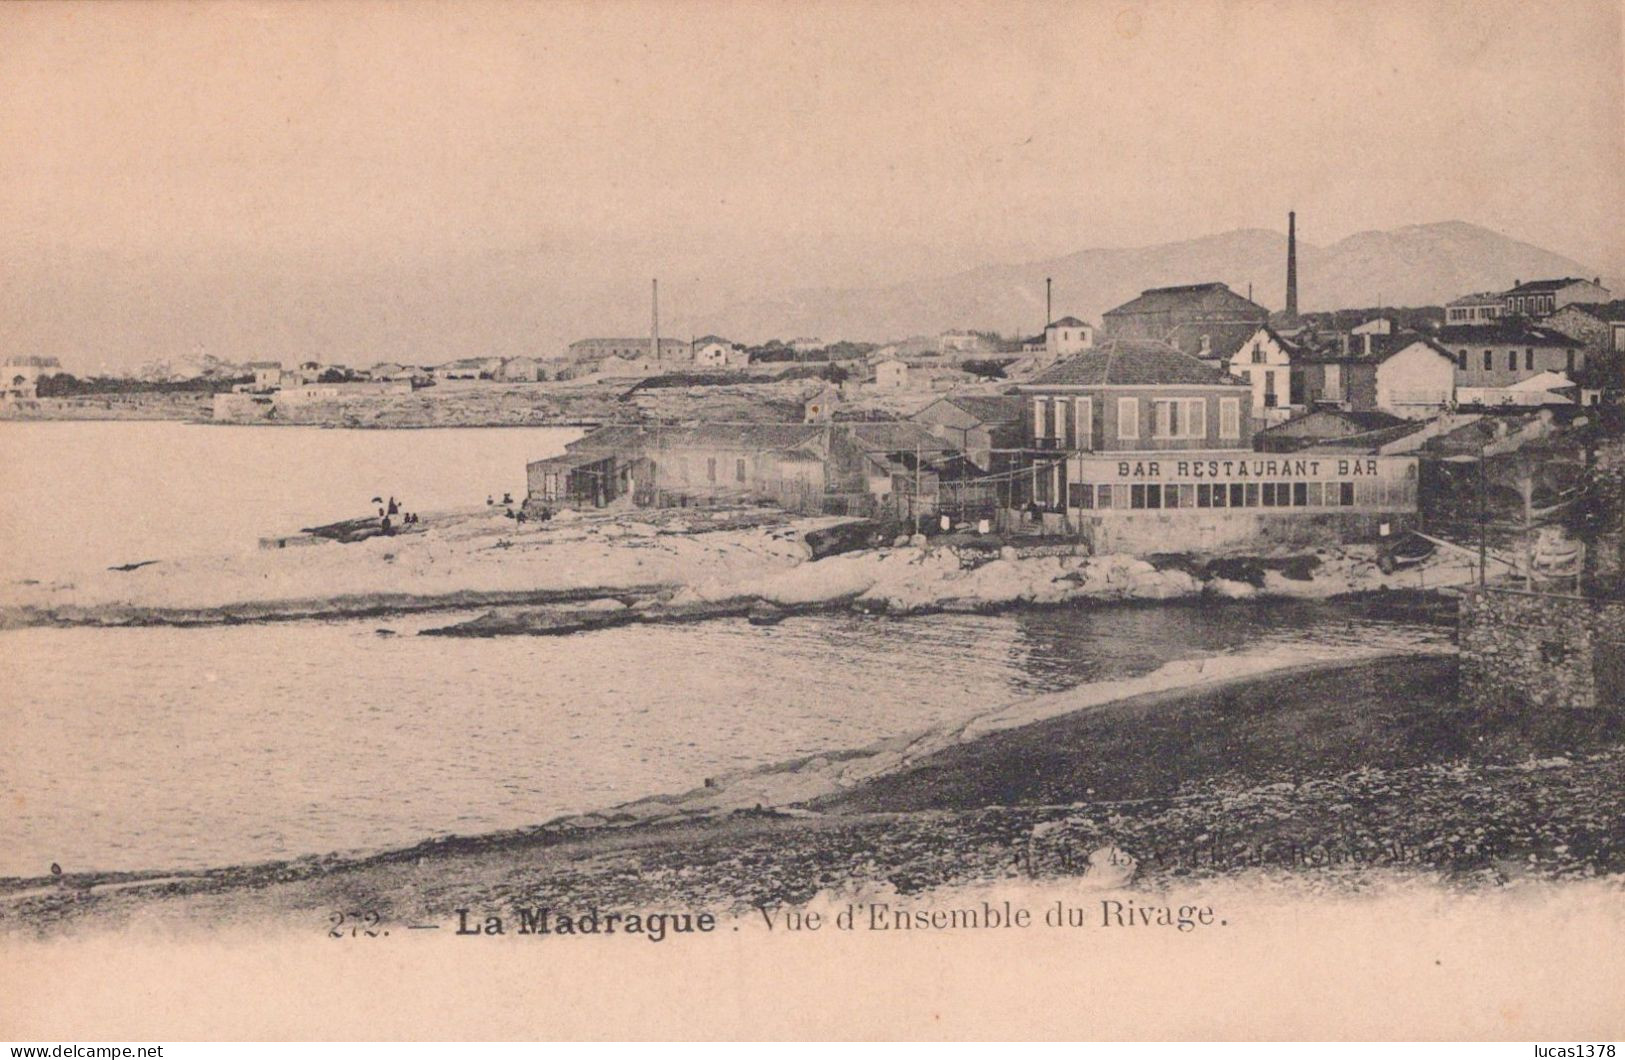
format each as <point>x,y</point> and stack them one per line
<point>1198,418</point>
<point>1128,417</point>
<point>1085,422</point>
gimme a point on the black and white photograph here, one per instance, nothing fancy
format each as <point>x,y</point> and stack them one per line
<point>716,520</point>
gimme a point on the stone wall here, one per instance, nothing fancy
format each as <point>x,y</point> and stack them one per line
<point>1534,649</point>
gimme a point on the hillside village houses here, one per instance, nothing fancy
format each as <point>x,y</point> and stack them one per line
<point>1541,298</point>
<point>1485,307</point>
<point>890,373</point>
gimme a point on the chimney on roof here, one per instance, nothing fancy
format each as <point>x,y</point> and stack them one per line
<point>1292,265</point>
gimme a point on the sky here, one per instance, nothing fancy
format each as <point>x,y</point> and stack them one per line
<point>359,182</point>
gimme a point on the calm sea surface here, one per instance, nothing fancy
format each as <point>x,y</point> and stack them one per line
<point>184,748</point>
<point>95,494</point>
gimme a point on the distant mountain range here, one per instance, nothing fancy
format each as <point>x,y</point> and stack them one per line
<point>1414,265</point>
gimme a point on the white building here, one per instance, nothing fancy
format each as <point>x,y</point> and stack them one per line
<point>1416,380</point>
<point>1265,361</point>
<point>22,375</point>
<point>1069,335</point>
<point>1485,307</point>
<point>890,374</point>
<point>715,352</point>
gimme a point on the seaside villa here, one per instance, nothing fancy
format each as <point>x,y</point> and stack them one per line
<point>1134,446</point>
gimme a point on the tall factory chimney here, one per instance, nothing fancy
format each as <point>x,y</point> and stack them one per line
<point>654,321</point>
<point>1049,309</point>
<point>1292,265</point>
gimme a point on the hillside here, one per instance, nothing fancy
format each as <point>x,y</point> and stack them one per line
<point>1413,265</point>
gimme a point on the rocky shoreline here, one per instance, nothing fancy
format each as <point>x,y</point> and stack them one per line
<point>580,572</point>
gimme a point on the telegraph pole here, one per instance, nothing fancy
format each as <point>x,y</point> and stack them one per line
<point>1483,517</point>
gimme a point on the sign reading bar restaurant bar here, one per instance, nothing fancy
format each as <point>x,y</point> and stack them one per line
<point>1239,467</point>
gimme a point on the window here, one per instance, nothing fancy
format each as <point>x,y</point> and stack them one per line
<point>1229,417</point>
<point>1237,495</point>
<point>1529,359</point>
<point>1269,494</point>
<point>1489,363</point>
<point>1128,417</point>
<point>1252,495</point>
<point>710,469</point>
<point>1300,494</point>
<point>1039,433</point>
<point>1316,495</point>
<point>1061,423</point>
<point>1512,360</point>
<point>1084,414</point>
<point>1083,495</point>
<point>1463,360</point>
<point>1345,494</point>
<point>1219,495</point>
<point>739,469</point>
<point>1136,496</point>
<point>1170,497</point>
<point>1153,496</point>
<point>1179,418</point>
<point>1104,497</point>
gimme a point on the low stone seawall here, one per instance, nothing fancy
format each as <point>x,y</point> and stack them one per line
<point>1542,650</point>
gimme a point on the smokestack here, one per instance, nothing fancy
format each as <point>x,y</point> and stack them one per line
<point>654,322</point>
<point>1049,307</point>
<point>1292,265</point>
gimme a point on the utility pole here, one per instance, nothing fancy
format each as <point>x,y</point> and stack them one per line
<point>917,487</point>
<point>1483,517</point>
<point>654,321</point>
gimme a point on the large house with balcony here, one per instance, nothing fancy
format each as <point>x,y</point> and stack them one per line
<point>1135,446</point>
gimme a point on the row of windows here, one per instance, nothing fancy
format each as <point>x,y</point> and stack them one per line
<point>1070,421</point>
<point>1213,495</point>
<point>711,469</point>
<point>1512,360</point>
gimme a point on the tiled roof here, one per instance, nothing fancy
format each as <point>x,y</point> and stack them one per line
<point>893,436</point>
<point>1481,298</point>
<point>1610,311</point>
<point>753,436</point>
<point>1506,334</point>
<point>1207,296</point>
<point>989,408</point>
<point>1133,362</point>
<point>1382,348</point>
<point>1224,338</point>
<point>1545,286</point>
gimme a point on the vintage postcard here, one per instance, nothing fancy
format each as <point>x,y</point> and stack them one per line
<point>830,520</point>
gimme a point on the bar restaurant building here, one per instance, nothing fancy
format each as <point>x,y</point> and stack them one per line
<point>1135,446</point>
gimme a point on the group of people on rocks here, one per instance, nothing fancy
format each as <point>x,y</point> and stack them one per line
<point>387,514</point>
